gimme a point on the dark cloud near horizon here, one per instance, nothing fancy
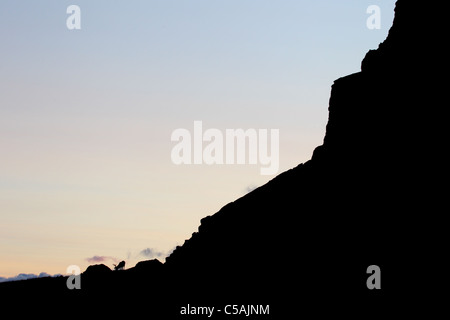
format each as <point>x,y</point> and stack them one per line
<point>26,276</point>
<point>95,259</point>
<point>250,188</point>
<point>151,253</point>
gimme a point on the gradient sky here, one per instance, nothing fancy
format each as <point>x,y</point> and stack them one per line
<point>86,115</point>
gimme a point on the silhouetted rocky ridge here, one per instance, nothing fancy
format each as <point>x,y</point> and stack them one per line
<point>372,194</point>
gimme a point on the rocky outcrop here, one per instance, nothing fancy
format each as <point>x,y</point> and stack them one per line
<point>149,265</point>
<point>97,270</point>
<point>372,194</point>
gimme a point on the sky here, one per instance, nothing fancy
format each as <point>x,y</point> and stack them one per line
<point>86,115</point>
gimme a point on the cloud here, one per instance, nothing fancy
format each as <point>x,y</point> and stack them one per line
<point>96,259</point>
<point>250,188</point>
<point>26,276</point>
<point>151,253</point>
<point>172,250</point>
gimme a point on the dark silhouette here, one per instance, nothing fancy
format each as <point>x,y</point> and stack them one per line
<point>97,269</point>
<point>372,194</point>
<point>120,266</point>
<point>149,265</point>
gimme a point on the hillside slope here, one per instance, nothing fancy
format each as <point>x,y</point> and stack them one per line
<point>372,194</point>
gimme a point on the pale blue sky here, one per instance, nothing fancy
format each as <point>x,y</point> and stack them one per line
<point>86,115</point>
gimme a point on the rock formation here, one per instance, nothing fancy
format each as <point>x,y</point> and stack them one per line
<point>372,194</point>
